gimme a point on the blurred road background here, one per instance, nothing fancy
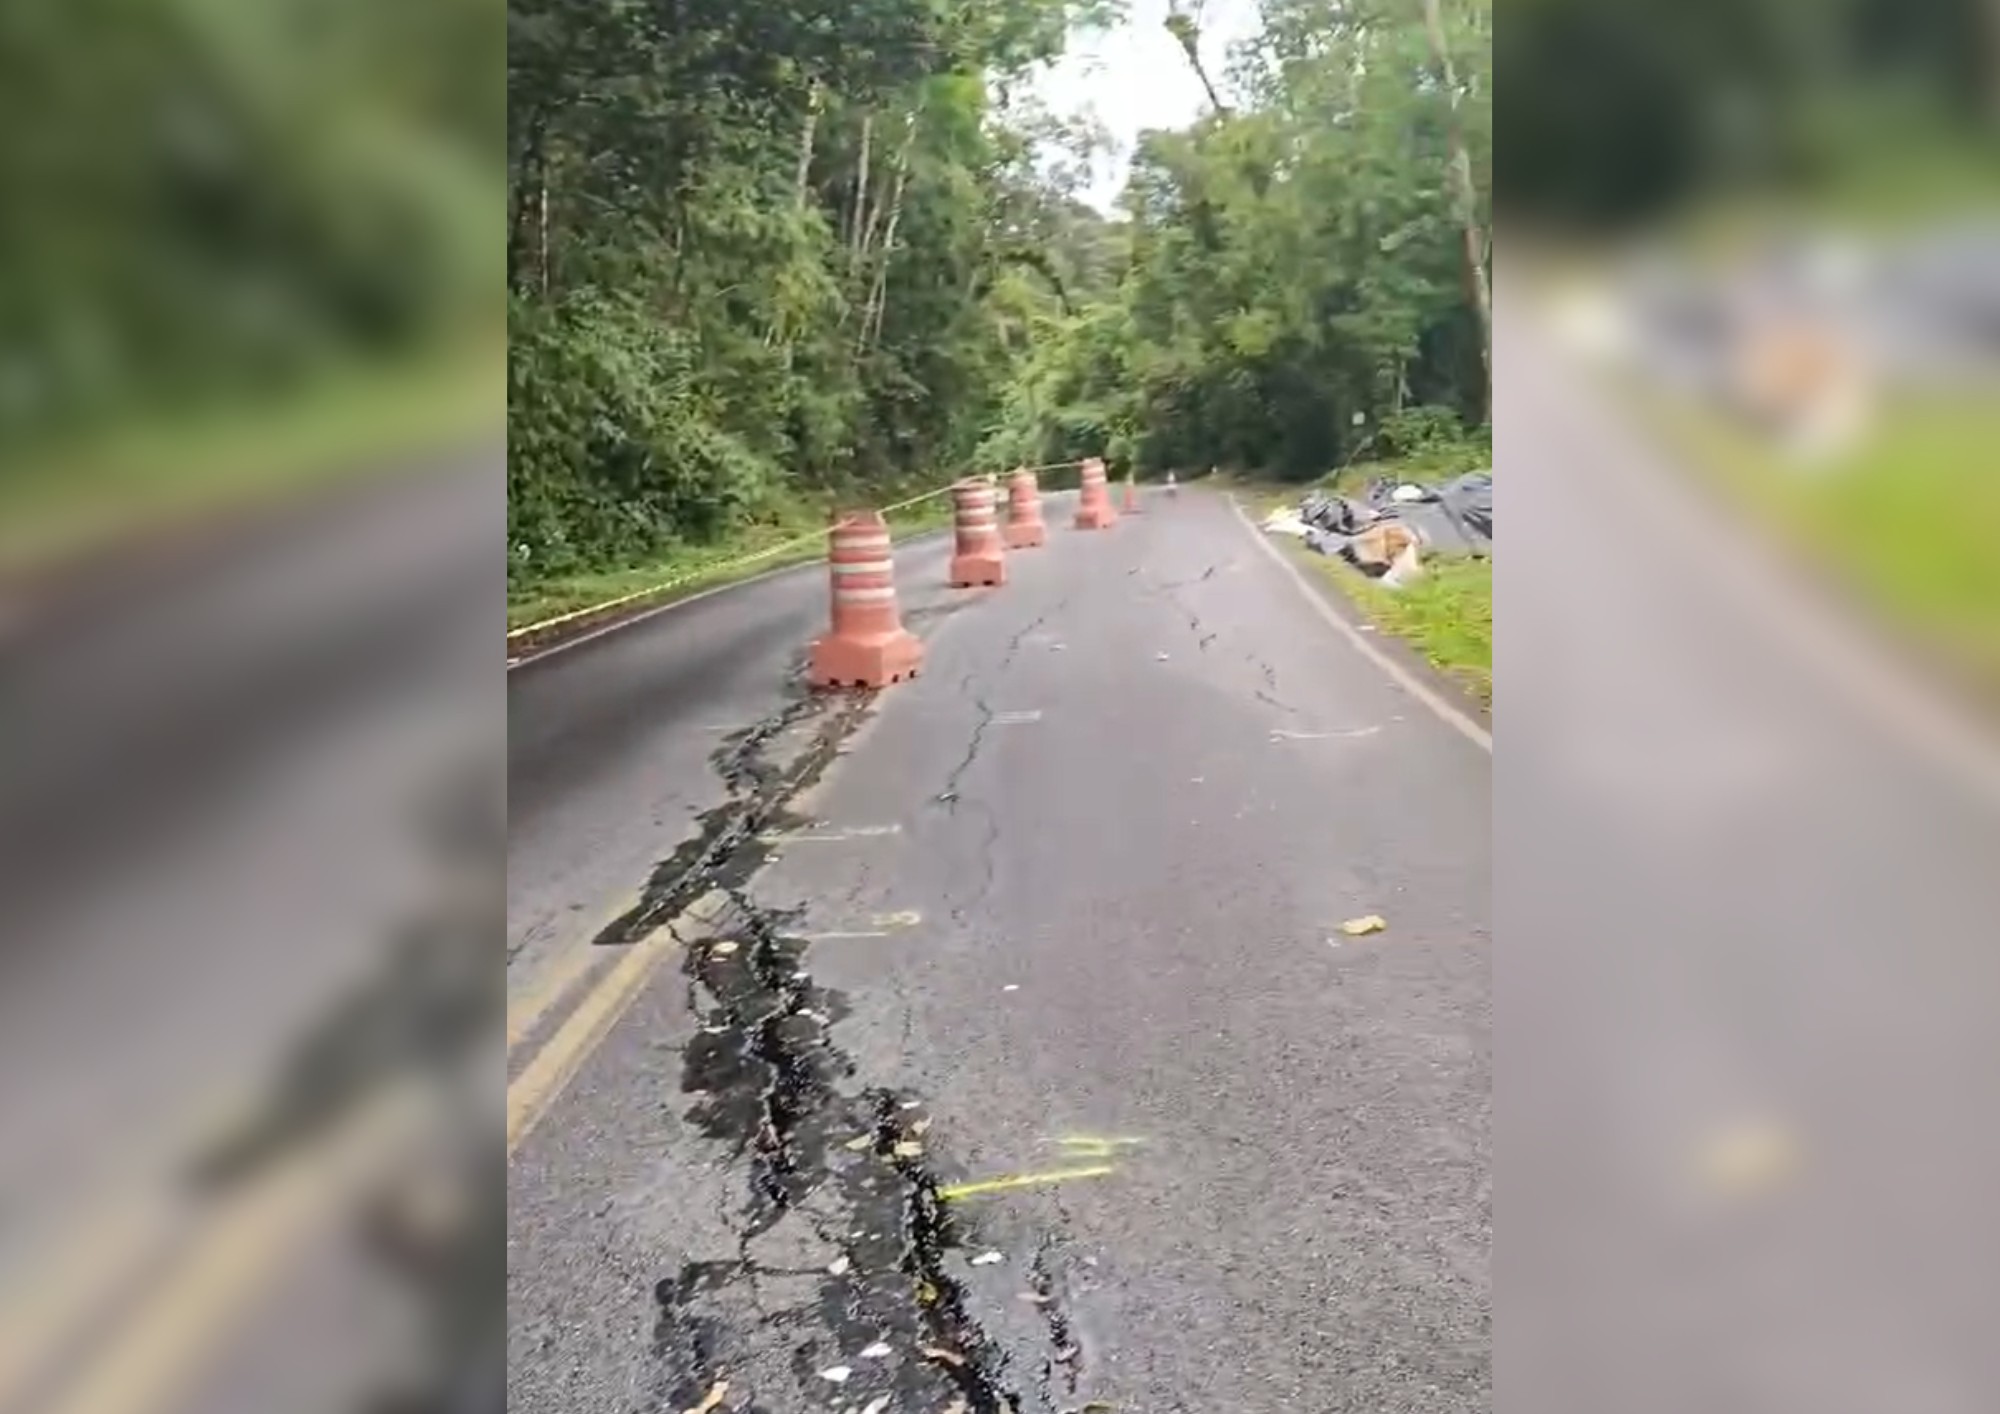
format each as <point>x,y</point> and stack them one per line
<point>1746,895</point>
<point>251,511</point>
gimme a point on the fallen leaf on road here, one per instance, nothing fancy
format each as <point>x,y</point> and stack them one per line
<point>943,1357</point>
<point>987,1259</point>
<point>1355,927</point>
<point>723,948</point>
<point>879,1350</point>
<point>860,1142</point>
<point>838,1374</point>
<point>712,1400</point>
<point>838,1266</point>
<point>909,1149</point>
<point>876,1405</point>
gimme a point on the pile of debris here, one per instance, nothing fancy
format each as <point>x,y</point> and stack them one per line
<point>1389,531</point>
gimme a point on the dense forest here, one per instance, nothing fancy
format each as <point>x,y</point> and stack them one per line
<point>775,253</point>
<point>221,204</point>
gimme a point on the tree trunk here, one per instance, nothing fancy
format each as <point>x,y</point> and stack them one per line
<point>859,223</point>
<point>529,178</point>
<point>1187,32</point>
<point>542,237</point>
<point>878,296</point>
<point>1478,289</point>
<point>902,169</point>
<point>806,146</point>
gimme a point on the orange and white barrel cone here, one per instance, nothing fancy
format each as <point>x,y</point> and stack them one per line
<point>868,645</point>
<point>1093,507</point>
<point>980,560</point>
<point>1024,529</point>
<point>1131,494</point>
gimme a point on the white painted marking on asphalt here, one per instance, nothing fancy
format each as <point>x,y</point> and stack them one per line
<point>1280,734</point>
<point>1395,671</point>
<point>852,832</point>
<point>1015,719</point>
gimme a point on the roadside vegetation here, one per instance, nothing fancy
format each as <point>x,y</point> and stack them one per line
<point>761,261</point>
<point>1910,520</point>
<point>1446,614</point>
<point>241,261</point>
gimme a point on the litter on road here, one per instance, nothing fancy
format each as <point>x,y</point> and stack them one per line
<point>1389,531</point>
<point>1356,927</point>
<point>712,1400</point>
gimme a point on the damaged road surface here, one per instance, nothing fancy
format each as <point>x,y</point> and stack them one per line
<point>1005,1051</point>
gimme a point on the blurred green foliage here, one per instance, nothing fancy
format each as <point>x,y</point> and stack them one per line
<point>1620,110</point>
<point>224,200</point>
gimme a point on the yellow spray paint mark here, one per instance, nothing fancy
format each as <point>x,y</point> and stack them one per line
<point>956,1191</point>
<point>1094,1146</point>
<point>908,918</point>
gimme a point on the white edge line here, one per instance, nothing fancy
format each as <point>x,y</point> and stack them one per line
<point>1397,674</point>
<point>670,605</point>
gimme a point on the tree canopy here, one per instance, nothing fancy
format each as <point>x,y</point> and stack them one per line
<point>815,248</point>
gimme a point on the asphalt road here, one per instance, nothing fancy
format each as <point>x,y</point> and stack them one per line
<point>1069,901</point>
<point>1746,887</point>
<point>610,744</point>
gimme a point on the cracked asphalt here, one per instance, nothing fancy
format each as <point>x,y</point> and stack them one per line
<point>1070,902</point>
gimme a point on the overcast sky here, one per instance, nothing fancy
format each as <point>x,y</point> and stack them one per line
<point>1135,77</point>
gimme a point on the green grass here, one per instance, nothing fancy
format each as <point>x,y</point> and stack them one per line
<point>687,570</point>
<point>1911,521</point>
<point>358,421</point>
<point>1446,614</point>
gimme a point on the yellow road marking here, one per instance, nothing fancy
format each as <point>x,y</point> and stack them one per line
<point>556,1064</point>
<point>149,1361</point>
<point>568,968</point>
<point>49,1307</point>
<point>955,1191</point>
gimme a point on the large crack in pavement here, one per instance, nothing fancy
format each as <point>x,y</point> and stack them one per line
<point>725,849</point>
<point>841,1281</point>
<point>878,1311</point>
